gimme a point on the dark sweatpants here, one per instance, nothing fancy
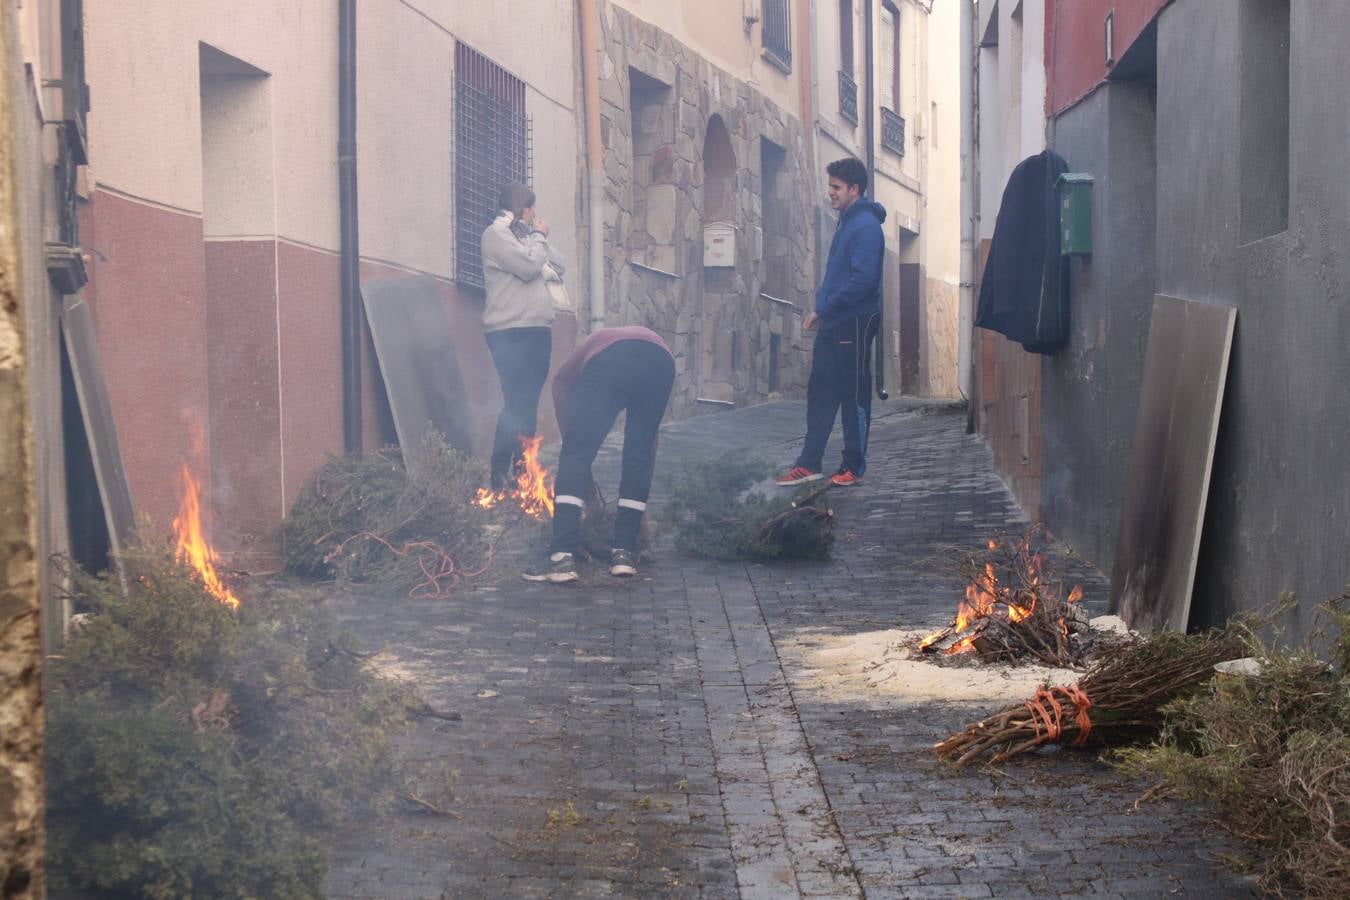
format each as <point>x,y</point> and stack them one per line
<point>633,376</point>
<point>521,356</point>
<point>840,383</point>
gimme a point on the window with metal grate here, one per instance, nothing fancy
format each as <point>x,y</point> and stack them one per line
<point>777,32</point>
<point>493,147</point>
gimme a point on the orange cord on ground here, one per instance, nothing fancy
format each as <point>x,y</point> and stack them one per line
<point>438,567</point>
<point>1046,710</point>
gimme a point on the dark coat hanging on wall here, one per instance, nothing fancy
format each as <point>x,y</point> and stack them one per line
<point>1024,293</point>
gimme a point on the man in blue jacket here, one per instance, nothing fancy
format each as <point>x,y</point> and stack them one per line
<point>848,308</point>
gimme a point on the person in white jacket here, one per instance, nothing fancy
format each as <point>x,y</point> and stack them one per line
<point>524,278</point>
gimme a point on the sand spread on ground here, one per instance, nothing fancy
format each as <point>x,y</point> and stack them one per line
<point>885,668</point>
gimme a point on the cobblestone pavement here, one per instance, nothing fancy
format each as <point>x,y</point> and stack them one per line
<point>651,738</point>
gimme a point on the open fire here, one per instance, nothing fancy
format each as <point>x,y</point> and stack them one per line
<point>533,490</point>
<point>193,550</point>
<point>1013,610</point>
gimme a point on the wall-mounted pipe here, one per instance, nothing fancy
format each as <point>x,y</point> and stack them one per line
<point>869,130</point>
<point>350,259</point>
<point>595,159</point>
<point>965,348</point>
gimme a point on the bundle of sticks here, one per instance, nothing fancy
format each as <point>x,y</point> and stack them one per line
<point>1119,700</point>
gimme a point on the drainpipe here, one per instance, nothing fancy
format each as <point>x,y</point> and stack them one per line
<point>350,247</point>
<point>590,67</point>
<point>878,356</point>
<point>806,74</point>
<point>969,173</point>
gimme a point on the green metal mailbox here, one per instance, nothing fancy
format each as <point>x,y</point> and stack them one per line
<point>1075,213</point>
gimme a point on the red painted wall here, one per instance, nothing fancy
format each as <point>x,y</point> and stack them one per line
<point>1075,44</point>
<point>246,447</point>
<point>148,294</point>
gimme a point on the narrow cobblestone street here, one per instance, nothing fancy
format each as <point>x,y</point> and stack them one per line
<point>664,736</point>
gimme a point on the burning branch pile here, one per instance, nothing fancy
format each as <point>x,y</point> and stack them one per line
<point>1014,609</point>
<point>366,521</point>
<point>196,748</point>
<point>1120,699</point>
<point>717,515</point>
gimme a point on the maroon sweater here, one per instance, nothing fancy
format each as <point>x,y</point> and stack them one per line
<point>569,373</point>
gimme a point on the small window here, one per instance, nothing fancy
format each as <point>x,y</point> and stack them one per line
<point>776,34</point>
<point>491,149</point>
<point>889,68</point>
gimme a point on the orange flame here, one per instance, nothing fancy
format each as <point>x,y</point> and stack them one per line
<point>533,490</point>
<point>1076,594</point>
<point>193,550</point>
<point>962,646</point>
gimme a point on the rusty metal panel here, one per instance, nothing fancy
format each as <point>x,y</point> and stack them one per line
<point>417,359</point>
<point>1167,484</point>
<point>77,330</point>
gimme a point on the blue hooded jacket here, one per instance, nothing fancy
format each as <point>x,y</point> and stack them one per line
<point>852,283</point>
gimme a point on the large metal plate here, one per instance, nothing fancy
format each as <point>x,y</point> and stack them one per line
<point>77,329</point>
<point>417,359</point>
<point>1185,369</point>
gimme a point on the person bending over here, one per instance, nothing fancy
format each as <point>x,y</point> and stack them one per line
<point>613,370</point>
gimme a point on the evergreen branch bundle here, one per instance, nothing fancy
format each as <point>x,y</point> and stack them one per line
<point>716,513</point>
<point>1271,751</point>
<point>366,520</point>
<point>196,750</point>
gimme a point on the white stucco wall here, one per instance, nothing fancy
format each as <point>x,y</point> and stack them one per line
<point>942,208</point>
<point>145,127</point>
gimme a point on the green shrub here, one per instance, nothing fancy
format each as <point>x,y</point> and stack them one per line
<point>1272,752</point>
<point>716,513</point>
<point>198,751</point>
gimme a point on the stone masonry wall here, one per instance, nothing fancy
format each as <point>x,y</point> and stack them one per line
<point>658,103</point>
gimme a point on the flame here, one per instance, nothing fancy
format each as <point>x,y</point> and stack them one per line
<point>931,639</point>
<point>193,550</point>
<point>1076,594</point>
<point>964,645</point>
<point>533,490</point>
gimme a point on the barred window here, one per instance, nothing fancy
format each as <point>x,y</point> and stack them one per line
<point>777,31</point>
<point>492,148</point>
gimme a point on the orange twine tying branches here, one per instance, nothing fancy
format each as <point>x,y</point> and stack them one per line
<point>439,569</point>
<point>1046,710</point>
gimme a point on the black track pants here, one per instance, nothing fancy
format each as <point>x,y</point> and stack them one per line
<point>521,356</point>
<point>840,384</point>
<point>631,376</point>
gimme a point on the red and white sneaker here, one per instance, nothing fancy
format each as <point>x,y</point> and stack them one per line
<point>798,475</point>
<point>845,479</point>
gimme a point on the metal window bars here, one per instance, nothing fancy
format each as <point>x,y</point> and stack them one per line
<point>776,35</point>
<point>493,146</point>
<point>892,131</point>
<point>848,98</point>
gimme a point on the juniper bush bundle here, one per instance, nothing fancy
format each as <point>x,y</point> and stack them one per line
<point>716,513</point>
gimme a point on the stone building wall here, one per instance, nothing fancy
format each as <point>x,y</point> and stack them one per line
<point>687,144</point>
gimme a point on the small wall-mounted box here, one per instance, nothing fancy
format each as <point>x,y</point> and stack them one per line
<point>1075,213</point>
<point>719,245</point>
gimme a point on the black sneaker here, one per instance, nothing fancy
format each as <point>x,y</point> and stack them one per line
<point>556,568</point>
<point>621,563</point>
